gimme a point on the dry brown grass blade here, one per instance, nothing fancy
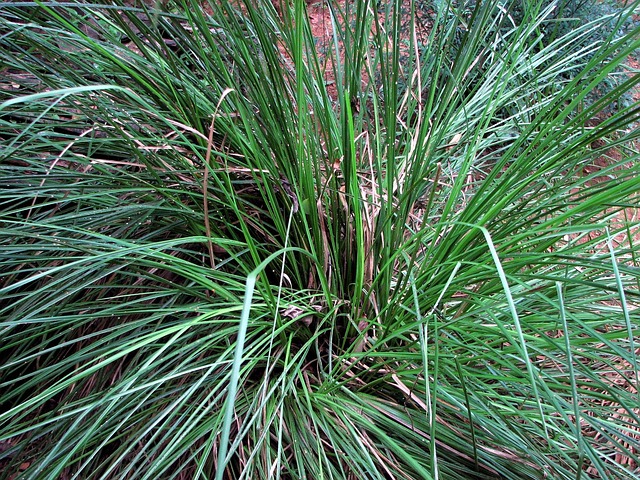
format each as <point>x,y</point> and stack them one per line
<point>205,181</point>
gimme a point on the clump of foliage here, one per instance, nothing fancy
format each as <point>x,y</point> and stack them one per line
<point>215,263</point>
<point>566,15</point>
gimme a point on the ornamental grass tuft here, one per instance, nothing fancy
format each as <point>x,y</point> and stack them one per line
<point>228,253</point>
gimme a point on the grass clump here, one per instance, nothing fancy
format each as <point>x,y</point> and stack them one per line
<point>215,262</point>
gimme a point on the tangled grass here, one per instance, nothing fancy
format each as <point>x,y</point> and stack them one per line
<point>216,264</point>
